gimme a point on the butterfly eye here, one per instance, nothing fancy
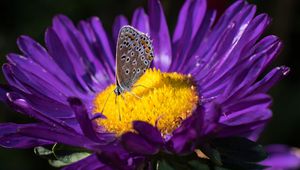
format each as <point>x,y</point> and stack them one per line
<point>121,46</point>
<point>127,59</point>
<point>138,70</point>
<point>132,54</point>
<point>127,71</point>
<point>133,70</point>
<point>142,58</point>
<point>144,70</point>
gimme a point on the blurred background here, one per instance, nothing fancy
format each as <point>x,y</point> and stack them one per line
<point>32,17</point>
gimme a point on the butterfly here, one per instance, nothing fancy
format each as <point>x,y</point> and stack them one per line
<point>134,53</point>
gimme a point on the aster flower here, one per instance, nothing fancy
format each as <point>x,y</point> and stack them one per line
<point>282,157</point>
<point>202,95</point>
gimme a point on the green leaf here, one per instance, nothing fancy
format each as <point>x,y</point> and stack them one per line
<point>44,152</point>
<point>60,155</point>
<point>68,159</point>
<point>199,165</point>
<point>240,149</point>
<point>163,165</point>
<point>212,153</point>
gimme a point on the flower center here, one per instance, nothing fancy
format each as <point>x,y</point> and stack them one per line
<point>161,99</point>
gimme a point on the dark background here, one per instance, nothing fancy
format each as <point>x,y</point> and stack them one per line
<point>32,17</point>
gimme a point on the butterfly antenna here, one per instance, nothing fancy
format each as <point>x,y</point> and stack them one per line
<point>106,100</point>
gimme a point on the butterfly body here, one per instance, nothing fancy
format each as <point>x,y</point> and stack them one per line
<point>134,54</point>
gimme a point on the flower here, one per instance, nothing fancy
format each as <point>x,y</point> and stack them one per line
<point>282,157</point>
<point>206,85</point>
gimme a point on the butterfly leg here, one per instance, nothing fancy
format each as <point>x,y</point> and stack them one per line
<point>116,104</point>
<point>105,102</point>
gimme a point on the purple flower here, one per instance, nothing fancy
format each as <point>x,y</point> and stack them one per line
<point>282,157</point>
<point>64,85</point>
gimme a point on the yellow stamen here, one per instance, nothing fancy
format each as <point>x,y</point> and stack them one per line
<point>166,99</point>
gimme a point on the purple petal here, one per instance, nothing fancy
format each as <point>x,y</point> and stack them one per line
<point>82,57</point>
<point>148,132</point>
<point>11,79</point>
<point>160,35</point>
<point>137,144</point>
<point>183,139</point>
<point>196,44</point>
<point>103,49</point>
<point>104,74</point>
<point>282,157</point>
<point>58,135</point>
<point>83,119</point>
<point>38,54</point>
<point>191,10</point>
<point>31,74</point>
<point>119,22</point>
<point>10,137</point>
<point>89,163</point>
<point>140,21</point>
<point>269,80</point>
<point>252,109</point>
<point>190,19</point>
<point>62,58</point>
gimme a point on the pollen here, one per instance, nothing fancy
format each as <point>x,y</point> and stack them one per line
<point>161,99</point>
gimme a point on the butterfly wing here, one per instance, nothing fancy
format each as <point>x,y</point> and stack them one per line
<point>134,54</point>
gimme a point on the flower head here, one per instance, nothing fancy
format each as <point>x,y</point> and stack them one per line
<point>205,84</point>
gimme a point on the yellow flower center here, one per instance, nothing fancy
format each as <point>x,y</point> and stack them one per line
<point>161,99</point>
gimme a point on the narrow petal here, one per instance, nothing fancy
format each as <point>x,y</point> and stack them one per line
<point>148,132</point>
<point>83,118</point>
<point>183,139</point>
<point>135,143</point>
<point>190,19</point>
<point>269,80</point>
<point>38,54</point>
<point>281,157</point>
<point>140,21</point>
<point>10,137</point>
<point>81,55</point>
<point>119,22</point>
<point>103,73</point>
<point>24,107</point>
<point>35,76</point>
<point>160,35</point>
<point>196,44</point>
<point>58,135</point>
<point>62,58</point>
<point>103,46</point>
<point>89,163</point>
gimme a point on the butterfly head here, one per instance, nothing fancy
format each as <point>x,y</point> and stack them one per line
<point>118,90</point>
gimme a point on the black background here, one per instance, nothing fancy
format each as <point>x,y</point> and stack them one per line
<point>32,17</point>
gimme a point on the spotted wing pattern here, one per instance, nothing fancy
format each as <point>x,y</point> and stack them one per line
<point>134,56</point>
